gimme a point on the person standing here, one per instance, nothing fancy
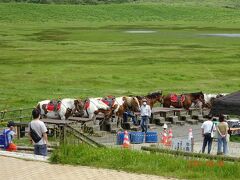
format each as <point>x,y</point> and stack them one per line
<point>208,127</point>
<point>145,114</point>
<point>38,134</point>
<point>222,129</point>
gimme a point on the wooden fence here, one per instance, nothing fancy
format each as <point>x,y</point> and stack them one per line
<point>21,114</point>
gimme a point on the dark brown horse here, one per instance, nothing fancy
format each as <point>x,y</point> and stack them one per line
<point>152,98</point>
<point>183,100</point>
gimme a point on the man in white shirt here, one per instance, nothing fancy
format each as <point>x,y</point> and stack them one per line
<point>145,114</point>
<point>208,128</point>
<point>40,147</point>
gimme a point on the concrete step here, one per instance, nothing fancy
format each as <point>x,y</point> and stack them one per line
<point>114,131</point>
<point>181,123</point>
<point>126,125</point>
<point>185,117</point>
<point>194,111</point>
<point>135,128</point>
<point>169,124</point>
<point>202,120</point>
<point>158,120</point>
<point>151,126</point>
<point>192,121</point>
<point>91,129</point>
<point>100,133</point>
<point>172,119</point>
<point>205,112</point>
<point>199,116</point>
<point>181,112</point>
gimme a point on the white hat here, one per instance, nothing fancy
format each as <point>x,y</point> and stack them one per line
<point>165,126</point>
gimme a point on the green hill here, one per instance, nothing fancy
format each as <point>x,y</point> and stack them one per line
<point>52,51</point>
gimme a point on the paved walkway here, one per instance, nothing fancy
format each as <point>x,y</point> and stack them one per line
<point>17,169</point>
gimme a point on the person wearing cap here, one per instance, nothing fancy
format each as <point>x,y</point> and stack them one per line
<point>10,135</point>
<point>145,114</point>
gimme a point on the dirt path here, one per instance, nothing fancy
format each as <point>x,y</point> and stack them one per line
<point>13,168</point>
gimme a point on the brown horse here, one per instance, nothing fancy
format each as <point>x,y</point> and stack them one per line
<point>183,100</point>
<point>152,98</point>
<point>129,103</point>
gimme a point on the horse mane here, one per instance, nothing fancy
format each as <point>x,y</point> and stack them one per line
<point>154,95</point>
<point>140,97</point>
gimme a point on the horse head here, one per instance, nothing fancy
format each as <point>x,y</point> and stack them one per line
<point>201,97</point>
<point>198,96</point>
<point>135,104</point>
<point>157,96</point>
<point>79,106</point>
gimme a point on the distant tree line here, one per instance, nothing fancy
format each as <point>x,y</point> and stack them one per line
<point>68,1</point>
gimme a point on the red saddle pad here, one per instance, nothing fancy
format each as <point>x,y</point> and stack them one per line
<point>175,98</point>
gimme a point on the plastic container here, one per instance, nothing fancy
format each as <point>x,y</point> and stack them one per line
<point>137,137</point>
<point>151,137</point>
<point>120,138</point>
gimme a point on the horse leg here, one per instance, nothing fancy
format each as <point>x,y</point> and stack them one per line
<point>167,105</point>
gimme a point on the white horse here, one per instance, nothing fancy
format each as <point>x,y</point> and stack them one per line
<point>93,106</point>
<point>63,109</point>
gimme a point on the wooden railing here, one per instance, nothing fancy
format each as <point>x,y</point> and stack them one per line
<point>22,114</point>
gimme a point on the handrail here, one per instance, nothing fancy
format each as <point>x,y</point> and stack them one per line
<point>16,114</point>
<point>83,137</point>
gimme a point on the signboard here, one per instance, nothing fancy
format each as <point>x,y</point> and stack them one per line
<point>182,145</point>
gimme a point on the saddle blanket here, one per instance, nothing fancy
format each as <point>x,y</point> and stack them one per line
<point>53,106</point>
<point>177,98</point>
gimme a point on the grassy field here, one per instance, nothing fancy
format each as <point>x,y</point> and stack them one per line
<point>141,162</point>
<point>57,51</point>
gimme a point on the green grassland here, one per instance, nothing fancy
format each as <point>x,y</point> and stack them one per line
<point>57,51</point>
<point>142,162</point>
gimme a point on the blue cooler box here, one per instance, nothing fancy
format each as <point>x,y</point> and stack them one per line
<point>137,137</point>
<point>151,137</point>
<point>120,138</point>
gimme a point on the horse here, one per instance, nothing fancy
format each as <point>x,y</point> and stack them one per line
<point>60,109</point>
<point>183,100</point>
<point>93,106</point>
<point>152,98</point>
<point>209,98</point>
<point>125,103</point>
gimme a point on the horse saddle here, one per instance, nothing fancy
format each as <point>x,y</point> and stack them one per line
<point>86,104</point>
<point>109,101</point>
<point>177,98</point>
<point>54,105</point>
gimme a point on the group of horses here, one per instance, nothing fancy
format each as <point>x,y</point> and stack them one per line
<point>115,106</point>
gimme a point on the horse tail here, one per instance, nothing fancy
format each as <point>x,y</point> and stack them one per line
<point>38,108</point>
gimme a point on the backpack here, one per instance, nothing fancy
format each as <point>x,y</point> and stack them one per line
<point>34,135</point>
<point>4,141</point>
